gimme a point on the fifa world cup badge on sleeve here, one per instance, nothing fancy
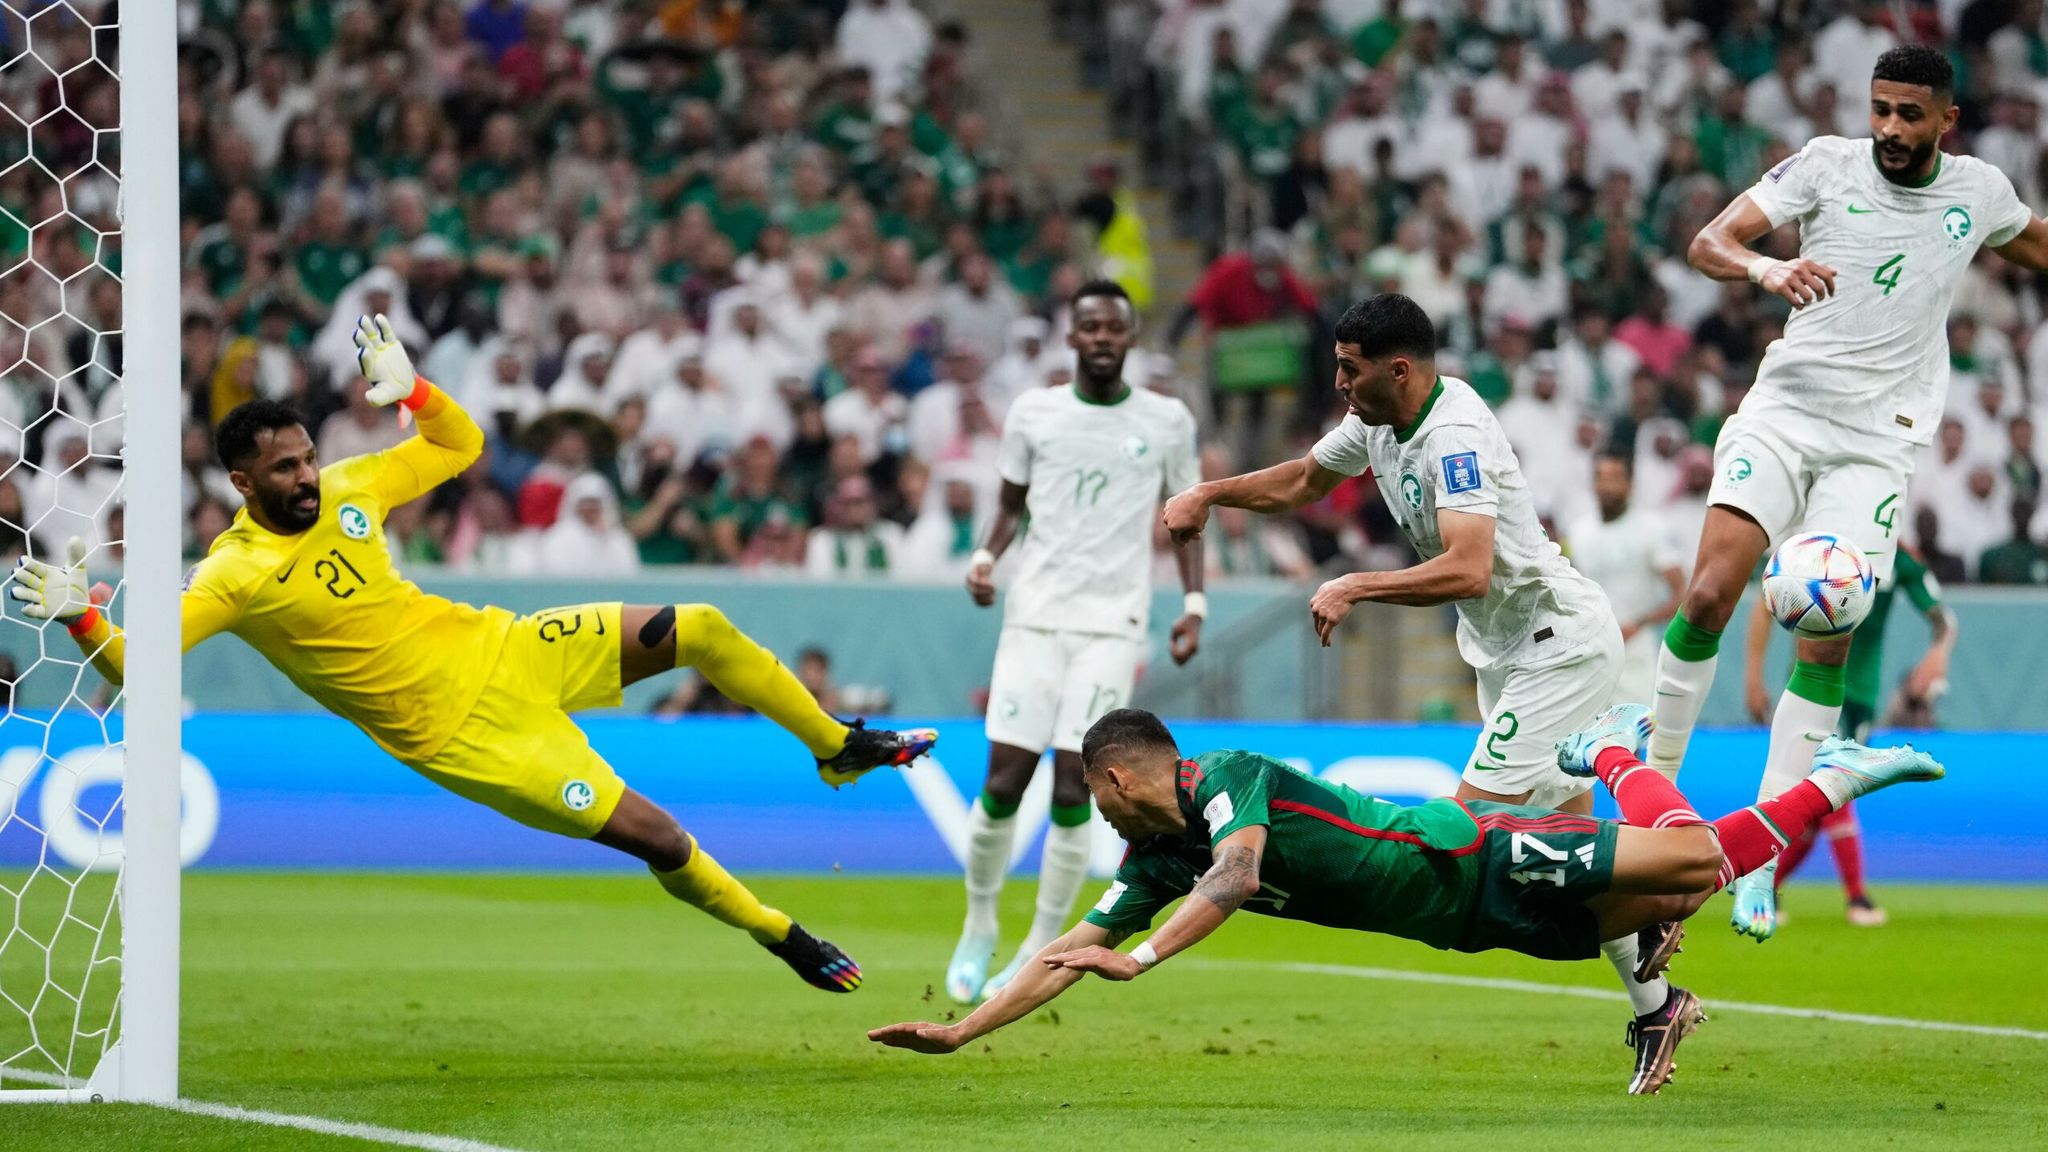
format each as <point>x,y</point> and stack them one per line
<point>1461,472</point>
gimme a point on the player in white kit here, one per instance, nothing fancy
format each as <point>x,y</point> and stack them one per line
<point>1825,440</point>
<point>1087,463</point>
<point>1539,635</point>
<point>1631,555</point>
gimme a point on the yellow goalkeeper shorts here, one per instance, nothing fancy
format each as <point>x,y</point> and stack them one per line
<point>519,752</point>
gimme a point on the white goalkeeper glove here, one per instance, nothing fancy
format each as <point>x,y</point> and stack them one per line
<point>50,591</point>
<point>384,361</point>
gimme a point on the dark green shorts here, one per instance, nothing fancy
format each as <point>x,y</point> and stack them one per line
<point>1537,868</point>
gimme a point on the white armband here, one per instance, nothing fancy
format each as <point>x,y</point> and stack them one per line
<point>1195,604</point>
<point>982,558</point>
<point>1761,267</point>
<point>1145,956</point>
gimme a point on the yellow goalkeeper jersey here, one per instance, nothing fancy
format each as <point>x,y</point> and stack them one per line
<point>331,611</point>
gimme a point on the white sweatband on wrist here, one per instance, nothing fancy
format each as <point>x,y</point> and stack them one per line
<point>1760,267</point>
<point>982,558</point>
<point>1145,956</point>
<point>1195,604</point>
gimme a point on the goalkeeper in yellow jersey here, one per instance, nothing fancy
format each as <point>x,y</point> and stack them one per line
<point>475,699</point>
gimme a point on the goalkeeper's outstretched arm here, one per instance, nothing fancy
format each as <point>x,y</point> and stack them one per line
<point>59,592</point>
<point>449,441</point>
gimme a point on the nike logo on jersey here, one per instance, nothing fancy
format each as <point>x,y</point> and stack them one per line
<point>288,570</point>
<point>1855,211</point>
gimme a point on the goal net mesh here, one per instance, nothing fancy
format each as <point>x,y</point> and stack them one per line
<point>60,479</point>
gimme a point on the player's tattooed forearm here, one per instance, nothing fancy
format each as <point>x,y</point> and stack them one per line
<point>658,627</point>
<point>1116,938</point>
<point>1231,880</point>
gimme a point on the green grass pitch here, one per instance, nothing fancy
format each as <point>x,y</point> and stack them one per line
<point>589,1012</point>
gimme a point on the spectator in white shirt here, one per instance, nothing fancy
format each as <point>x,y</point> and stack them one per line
<point>1542,426</point>
<point>359,428</point>
<point>977,311</point>
<point>1780,95</point>
<point>587,539</point>
<point>1026,362</point>
<point>1596,88</point>
<point>690,411</point>
<point>942,539</point>
<point>646,359</point>
<point>935,411</point>
<point>1531,289</point>
<point>1628,140</point>
<point>802,317</point>
<point>586,368</point>
<point>1541,138</point>
<point>869,411</point>
<point>1847,49</point>
<point>1593,367</point>
<point>1360,125</point>
<point>887,310</point>
<point>2013,142</point>
<point>854,542</point>
<point>887,37</point>
<point>1509,90</point>
<point>1484,185</point>
<point>2011,47</point>
<point>265,110</point>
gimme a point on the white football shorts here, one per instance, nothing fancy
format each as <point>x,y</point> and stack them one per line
<point>1529,710</point>
<point>1794,472</point>
<point>1048,687</point>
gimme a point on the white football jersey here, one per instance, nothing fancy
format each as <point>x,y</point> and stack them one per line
<point>1097,473</point>
<point>1538,610</point>
<point>1874,356</point>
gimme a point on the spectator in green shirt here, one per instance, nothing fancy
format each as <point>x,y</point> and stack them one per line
<point>328,258</point>
<point>1377,37</point>
<point>2020,560</point>
<point>748,500</point>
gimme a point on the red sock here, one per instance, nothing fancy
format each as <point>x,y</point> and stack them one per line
<point>1646,798</point>
<point>1793,856</point>
<point>1750,838</point>
<point>1847,841</point>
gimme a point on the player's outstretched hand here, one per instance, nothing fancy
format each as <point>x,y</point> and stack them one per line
<point>383,360</point>
<point>1800,281</point>
<point>50,591</point>
<point>1187,638</point>
<point>1107,963</point>
<point>1185,515</point>
<point>918,1036</point>
<point>1329,606</point>
<point>981,584</point>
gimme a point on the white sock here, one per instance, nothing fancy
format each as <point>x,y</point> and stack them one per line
<point>988,858</point>
<point>1797,728</point>
<point>1644,998</point>
<point>1061,872</point>
<point>1681,693</point>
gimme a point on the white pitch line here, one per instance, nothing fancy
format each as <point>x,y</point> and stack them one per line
<point>1713,1005</point>
<point>377,1133</point>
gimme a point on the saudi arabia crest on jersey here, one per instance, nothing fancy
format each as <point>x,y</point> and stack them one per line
<point>355,523</point>
<point>1411,489</point>
<point>1955,223</point>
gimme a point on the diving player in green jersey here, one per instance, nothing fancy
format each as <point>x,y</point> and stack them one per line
<point>1234,830</point>
<point>1862,697</point>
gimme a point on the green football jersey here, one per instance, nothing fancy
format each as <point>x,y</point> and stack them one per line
<point>1864,676</point>
<point>1333,856</point>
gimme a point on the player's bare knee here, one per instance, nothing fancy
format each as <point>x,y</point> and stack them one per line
<point>1068,786</point>
<point>1701,861</point>
<point>1832,651</point>
<point>1711,599</point>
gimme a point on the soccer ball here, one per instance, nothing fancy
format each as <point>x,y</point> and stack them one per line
<point>1819,584</point>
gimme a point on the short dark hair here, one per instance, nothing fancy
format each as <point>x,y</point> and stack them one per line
<point>235,440</point>
<point>1627,462</point>
<point>1919,65</point>
<point>1122,731</point>
<point>1388,324</point>
<point>1100,287</point>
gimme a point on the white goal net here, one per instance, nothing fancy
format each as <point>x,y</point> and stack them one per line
<point>89,801</point>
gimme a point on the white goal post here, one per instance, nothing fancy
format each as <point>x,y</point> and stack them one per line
<point>107,949</point>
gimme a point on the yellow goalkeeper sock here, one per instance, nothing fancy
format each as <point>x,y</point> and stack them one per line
<point>751,675</point>
<point>703,883</point>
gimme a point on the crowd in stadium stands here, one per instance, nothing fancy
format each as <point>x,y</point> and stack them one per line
<point>752,283</point>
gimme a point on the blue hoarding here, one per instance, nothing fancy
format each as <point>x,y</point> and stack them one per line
<point>300,791</point>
